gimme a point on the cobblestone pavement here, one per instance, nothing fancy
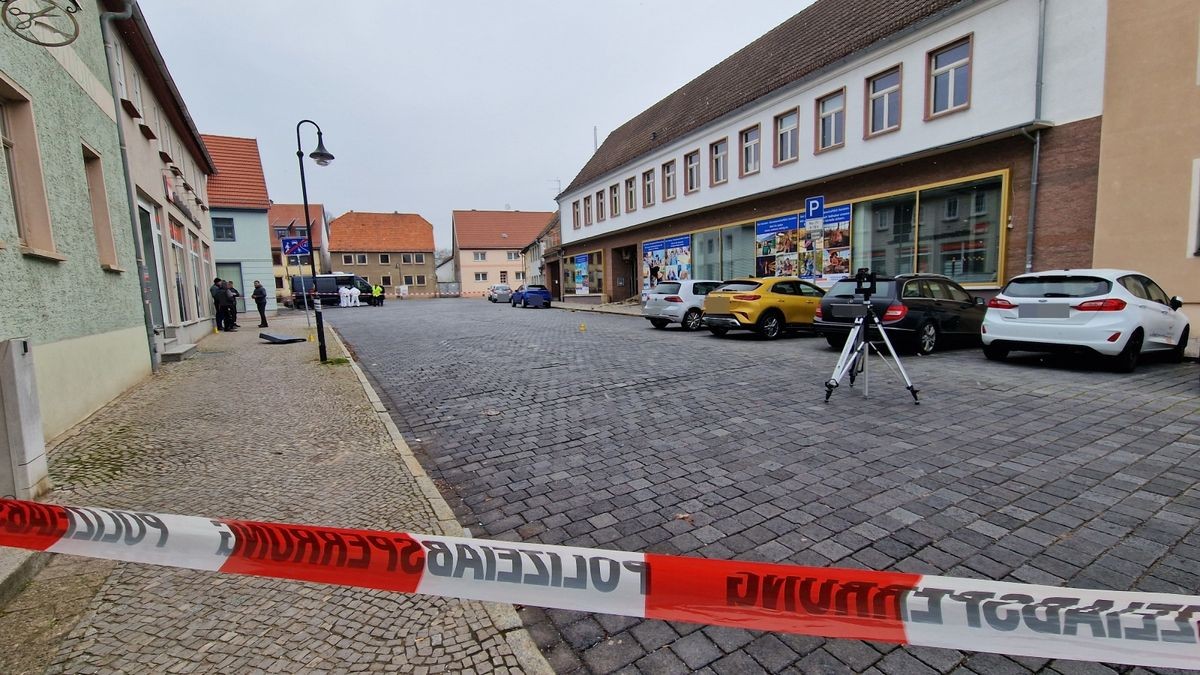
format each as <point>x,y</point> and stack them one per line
<point>596,430</point>
<point>252,431</point>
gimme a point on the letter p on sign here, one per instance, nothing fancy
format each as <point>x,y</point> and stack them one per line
<point>814,207</point>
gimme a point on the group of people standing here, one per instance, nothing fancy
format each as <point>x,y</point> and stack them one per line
<point>225,296</point>
<point>349,296</point>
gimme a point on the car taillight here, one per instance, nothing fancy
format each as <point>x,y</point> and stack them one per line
<point>895,312</point>
<point>1000,303</point>
<point>672,298</point>
<point>819,312</point>
<point>751,297</point>
<point>1105,305</point>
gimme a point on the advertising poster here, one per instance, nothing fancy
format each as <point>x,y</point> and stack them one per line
<point>581,274</point>
<point>836,244</point>
<point>652,263</point>
<point>776,241</point>
<point>678,258</point>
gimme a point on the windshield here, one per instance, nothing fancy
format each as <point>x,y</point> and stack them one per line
<point>1057,287</point>
<point>845,289</point>
<point>738,286</point>
<point>666,288</point>
<point>532,287</point>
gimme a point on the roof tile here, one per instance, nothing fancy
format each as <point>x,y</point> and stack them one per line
<point>380,232</point>
<point>498,229</point>
<point>292,215</point>
<point>239,182</point>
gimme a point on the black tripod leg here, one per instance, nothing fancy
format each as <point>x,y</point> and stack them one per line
<point>912,389</point>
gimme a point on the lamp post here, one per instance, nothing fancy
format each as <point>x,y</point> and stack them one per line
<point>322,157</point>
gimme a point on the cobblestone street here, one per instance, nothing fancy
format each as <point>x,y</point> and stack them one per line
<point>595,430</point>
<point>253,431</point>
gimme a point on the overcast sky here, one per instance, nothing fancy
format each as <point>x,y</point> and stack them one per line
<point>436,106</point>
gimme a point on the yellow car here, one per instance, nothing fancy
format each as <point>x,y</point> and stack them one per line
<point>767,306</point>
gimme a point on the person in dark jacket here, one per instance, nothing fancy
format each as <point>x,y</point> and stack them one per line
<point>215,291</point>
<point>260,301</point>
<point>229,299</point>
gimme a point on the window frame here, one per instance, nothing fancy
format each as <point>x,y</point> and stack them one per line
<point>869,99</point>
<point>631,194</point>
<point>670,188</point>
<point>587,211</point>
<point>479,256</point>
<point>106,244</point>
<point>385,280</point>
<point>513,256</point>
<point>778,132</point>
<point>600,198</point>
<point>742,147</point>
<point>819,122</point>
<point>481,276</point>
<point>421,279</point>
<point>718,163</point>
<point>575,224</point>
<point>614,200</point>
<point>648,188</point>
<point>405,259</point>
<point>418,258</point>
<point>385,262</point>
<point>360,258</point>
<point>687,171</point>
<point>931,73</point>
<point>26,180</point>
<point>504,276</point>
<point>347,255</point>
<point>232,229</point>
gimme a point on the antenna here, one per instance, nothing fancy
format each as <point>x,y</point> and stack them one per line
<point>595,138</point>
<point>556,180</point>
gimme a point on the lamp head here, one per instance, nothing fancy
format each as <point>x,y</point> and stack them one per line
<point>321,156</point>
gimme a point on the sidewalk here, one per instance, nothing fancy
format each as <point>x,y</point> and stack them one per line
<point>610,308</point>
<point>262,432</point>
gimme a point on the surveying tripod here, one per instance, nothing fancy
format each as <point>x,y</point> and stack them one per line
<point>857,350</point>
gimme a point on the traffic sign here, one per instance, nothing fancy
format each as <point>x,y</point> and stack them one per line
<point>295,245</point>
<point>814,207</point>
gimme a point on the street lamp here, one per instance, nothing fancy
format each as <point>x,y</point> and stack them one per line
<point>322,157</point>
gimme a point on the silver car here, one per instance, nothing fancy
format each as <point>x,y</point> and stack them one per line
<point>680,302</point>
<point>499,293</point>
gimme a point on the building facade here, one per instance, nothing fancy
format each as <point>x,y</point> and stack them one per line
<point>487,247</point>
<point>899,137</point>
<point>287,221</point>
<point>534,256</point>
<point>393,250</point>
<point>1148,214</point>
<point>239,203</point>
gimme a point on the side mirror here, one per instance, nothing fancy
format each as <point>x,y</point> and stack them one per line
<point>980,301</point>
<point>1176,302</point>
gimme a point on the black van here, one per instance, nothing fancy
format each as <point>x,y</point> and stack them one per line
<point>327,289</point>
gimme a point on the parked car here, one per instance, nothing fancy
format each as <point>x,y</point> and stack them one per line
<point>499,293</point>
<point>326,288</point>
<point>680,302</point>
<point>1117,314</point>
<point>922,312</point>
<point>526,295</point>
<point>767,306</point>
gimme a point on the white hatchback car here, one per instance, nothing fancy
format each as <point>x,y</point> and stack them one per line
<point>1118,314</point>
<point>680,302</point>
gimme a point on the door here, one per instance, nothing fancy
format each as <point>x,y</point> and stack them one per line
<point>785,296</point>
<point>1167,317</point>
<point>811,295</point>
<point>152,252</point>
<point>967,315</point>
<point>233,272</point>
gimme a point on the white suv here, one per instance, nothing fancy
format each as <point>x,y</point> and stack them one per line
<point>680,302</point>
<point>1118,314</point>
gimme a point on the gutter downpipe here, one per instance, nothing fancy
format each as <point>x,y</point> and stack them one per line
<point>1037,137</point>
<point>106,19</point>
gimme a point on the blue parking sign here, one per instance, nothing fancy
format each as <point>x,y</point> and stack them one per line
<point>814,207</point>
<point>294,245</point>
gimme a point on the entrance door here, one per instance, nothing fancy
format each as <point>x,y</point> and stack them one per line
<point>152,252</point>
<point>624,273</point>
<point>233,272</point>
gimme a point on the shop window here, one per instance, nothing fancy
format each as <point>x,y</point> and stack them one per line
<point>584,274</point>
<point>630,194</point>
<point>706,254</point>
<point>882,234</point>
<point>883,102</point>
<point>737,251</point>
<point>966,249</point>
<point>949,86</point>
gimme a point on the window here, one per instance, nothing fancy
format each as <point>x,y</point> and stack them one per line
<point>281,232</point>
<point>831,121</point>
<point>503,277</point>
<point>587,210</point>
<point>106,248</point>
<point>386,280</point>
<point>420,279</point>
<point>583,274</point>
<point>520,276</point>
<point>479,276</point>
<point>787,137</point>
<point>718,162</point>
<point>883,102</point>
<point>22,167</point>
<point>648,188</point>
<point>278,283</point>
<point>979,204</point>
<point>405,259</point>
<point>668,175</point>
<point>600,206</point>
<point>575,214</point>
<point>691,163</point>
<point>276,258</point>
<point>347,258</point>
<point>951,209</point>
<point>408,278</point>
<point>631,194</point>
<point>360,259</point>
<point>419,258</point>
<point>751,144</point>
<point>949,78</point>
<point>514,255</point>
<point>480,256</point>
<point>223,229</point>
<point>614,200</point>
<point>385,259</point>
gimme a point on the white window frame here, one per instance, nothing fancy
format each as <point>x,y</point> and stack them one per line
<point>421,279</point>
<point>386,280</point>
<point>948,70</point>
<point>828,120</point>
<point>979,203</point>
<point>480,256</point>
<point>950,209</point>
<point>691,172</point>
<point>347,258</point>
<point>750,151</point>
<point>614,200</point>
<point>481,276</point>
<point>519,275</point>
<point>886,95</point>
<point>668,183</point>
<point>406,259</point>
<point>631,199</point>
<point>408,278</point>
<point>718,162</point>
<point>360,259</point>
<point>575,224</point>
<point>648,188</point>
<point>587,211</point>
<point>418,258</point>
<point>787,139</point>
<point>600,198</point>
<point>382,260</point>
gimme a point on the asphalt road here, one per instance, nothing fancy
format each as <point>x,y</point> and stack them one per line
<point>596,430</point>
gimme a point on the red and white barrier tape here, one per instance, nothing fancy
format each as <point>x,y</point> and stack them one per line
<point>1149,629</point>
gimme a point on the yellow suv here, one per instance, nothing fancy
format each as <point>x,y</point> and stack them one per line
<point>767,305</point>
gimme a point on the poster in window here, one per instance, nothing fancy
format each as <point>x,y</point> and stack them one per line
<point>678,258</point>
<point>581,274</point>
<point>776,242</point>
<point>835,244</point>
<point>652,263</point>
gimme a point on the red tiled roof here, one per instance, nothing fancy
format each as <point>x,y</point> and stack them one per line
<point>819,36</point>
<point>380,232</point>
<point>498,229</point>
<point>285,215</point>
<point>239,182</point>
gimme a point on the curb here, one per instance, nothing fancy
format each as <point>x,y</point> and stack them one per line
<point>504,616</point>
<point>18,568</point>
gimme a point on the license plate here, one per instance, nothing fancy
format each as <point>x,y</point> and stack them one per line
<point>1055,310</point>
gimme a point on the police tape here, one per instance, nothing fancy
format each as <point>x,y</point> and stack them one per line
<point>1148,629</point>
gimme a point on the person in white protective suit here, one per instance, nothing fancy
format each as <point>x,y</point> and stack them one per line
<point>354,293</point>
<point>343,296</point>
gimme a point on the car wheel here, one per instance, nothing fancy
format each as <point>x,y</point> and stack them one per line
<point>1176,355</point>
<point>525,303</point>
<point>927,338</point>
<point>1126,361</point>
<point>547,304</point>
<point>770,325</point>
<point>659,323</point>
<point>836,341</point>
<point>718,332</point>
<point>692,320</point>
<point>995,352</point>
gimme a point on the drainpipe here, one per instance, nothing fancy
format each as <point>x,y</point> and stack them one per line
<point>106,29</point>
<point>1037,137</point>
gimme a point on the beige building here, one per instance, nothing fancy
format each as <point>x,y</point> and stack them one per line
<point>393,250</point>
<point>1148,211</point>
<point>287,220</point>
<point>487,247</point>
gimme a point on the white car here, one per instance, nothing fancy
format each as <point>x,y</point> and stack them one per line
<point>1117,314</point>
<point>499,293</point>
<point>680,302</point>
